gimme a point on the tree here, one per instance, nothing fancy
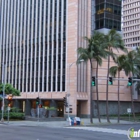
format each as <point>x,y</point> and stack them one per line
<point>96,51</point>
<point>113,40</point>
<point>137,65</point>
<point>133,58</point>
<point>9,89</point>
<point>121,64</point>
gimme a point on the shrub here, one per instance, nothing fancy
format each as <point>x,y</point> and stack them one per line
<point>13,114</point>
<point>52,108</point>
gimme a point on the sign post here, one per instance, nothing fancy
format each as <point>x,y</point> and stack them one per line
<point>129,111</point>
<point>38,112</point>
<point>8,109</point>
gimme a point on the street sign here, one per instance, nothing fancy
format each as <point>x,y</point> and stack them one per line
<point>67,109</point>
<point>8,108</point>
<point>2,108</point>
<point>128,110</point>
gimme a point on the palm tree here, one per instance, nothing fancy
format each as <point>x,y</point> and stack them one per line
<point>115,41</point>
<point>121,64</point>
<point>95,51</point>
<point>133,57</point>
<point>100,52</point>
<point>87,54</point>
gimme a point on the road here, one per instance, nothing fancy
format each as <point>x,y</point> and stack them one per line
<point>110,132</point>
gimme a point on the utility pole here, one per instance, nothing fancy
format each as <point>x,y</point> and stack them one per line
<point>37,103</point>
<point>3,89</point>
<point>67,104</point>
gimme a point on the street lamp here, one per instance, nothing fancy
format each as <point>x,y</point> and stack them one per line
<point>69,84</point>
<point>3,89</point>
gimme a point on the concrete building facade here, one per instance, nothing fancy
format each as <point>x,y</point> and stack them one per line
<point>38,45</point>
<point>131,23</point>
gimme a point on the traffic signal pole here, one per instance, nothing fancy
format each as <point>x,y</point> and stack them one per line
<point>3,89</point>
<point>38,112</point>
<point>67,103</point>
<point>37,103</point>
<point>122,79</point>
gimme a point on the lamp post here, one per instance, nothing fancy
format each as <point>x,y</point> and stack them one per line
<point>3,89</point>
<point>69,84</point>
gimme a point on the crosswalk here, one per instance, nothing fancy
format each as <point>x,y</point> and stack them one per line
<point>98,129</point>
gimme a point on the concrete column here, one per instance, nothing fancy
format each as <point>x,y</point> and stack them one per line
<point>16,103</point>
<point>53,112</point>
<point>28,107</point>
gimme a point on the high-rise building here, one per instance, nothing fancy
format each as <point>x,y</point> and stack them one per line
<point>106,15</point>
<point>131,23</point>
<point>38,46</point>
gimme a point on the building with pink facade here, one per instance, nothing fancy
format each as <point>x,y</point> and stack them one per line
<point>38,45</point>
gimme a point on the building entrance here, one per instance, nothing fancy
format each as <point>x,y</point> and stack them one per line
<point>48,108</point>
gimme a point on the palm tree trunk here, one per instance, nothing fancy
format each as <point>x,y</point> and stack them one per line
<point>132,102</point>
<point>97,93</point>
<point>107,115</point>
<point>132,105</point>
<point>118,97</point>
<point>91,101</point>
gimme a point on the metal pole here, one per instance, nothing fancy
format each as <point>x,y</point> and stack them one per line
<point>8,114</point>
<point>3,89</point>
<point>122,79</point>
<point>38,112</point>
<point>69,84</point>
<point>67,95</point>
<point>69,89</point>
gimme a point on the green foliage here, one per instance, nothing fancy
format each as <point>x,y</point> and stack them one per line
<point>114,40</point>
<point>51,108</point>
<point>13,114</point>
<point>121,63</point>
<point>9,89</point>
<point>15,109</point>
<point>95,49</point>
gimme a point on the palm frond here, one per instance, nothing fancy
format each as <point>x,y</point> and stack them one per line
<point>114,40</point>
<point>113,71</point>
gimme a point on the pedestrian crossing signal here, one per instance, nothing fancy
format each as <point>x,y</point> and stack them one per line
<point>9,101</point>
<point>65,101</point>
<point>40,105</point>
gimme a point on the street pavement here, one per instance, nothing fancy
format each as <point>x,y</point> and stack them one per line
<point>42,130</point>
<point>10,132</point>
<point>84,122</point>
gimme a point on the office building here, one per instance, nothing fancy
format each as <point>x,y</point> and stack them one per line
<point>131,23</point>
<point>38,45</point>
<point>106,15</point>
<point>39,40</point>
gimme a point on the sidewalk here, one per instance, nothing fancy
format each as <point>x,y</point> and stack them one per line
<point>84,122</point>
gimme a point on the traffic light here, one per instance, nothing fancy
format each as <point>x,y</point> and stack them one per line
<point>110,81</point>
<point>40,105</point>
<point>9,101</point>
<point>129,81</point>
<point>93,81</point>
<point>37,101</point>
<point>65,101</point>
